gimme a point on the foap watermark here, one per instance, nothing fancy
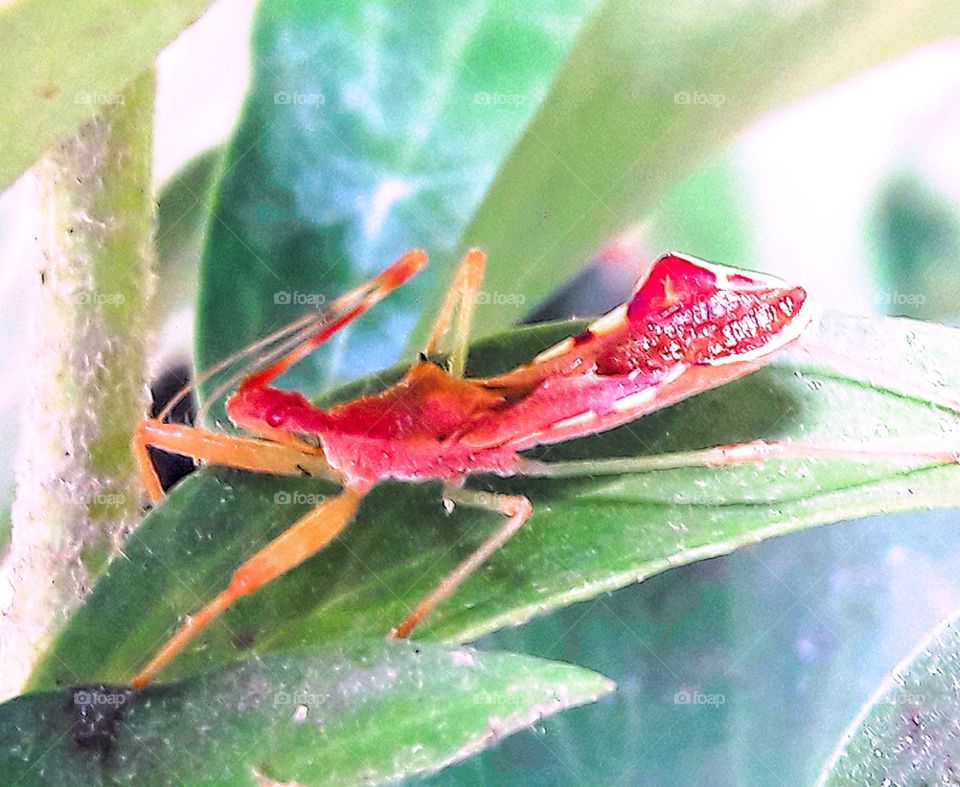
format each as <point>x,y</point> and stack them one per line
<point>101,298</point>
<point>99,697</point>
<point>298,499</point>
<point>485,99</point>
<point>906,699</point>
<point>296,98</point>
<point>896,298</point>
<point>104,499</point>
<point>296,298</point>
<point>695,97</point>
<point>687,697</point>
<point>480,499</point>
<point>296,698</point>
<point>97,99</point>
<point>495,298</point>
<point>485,499</point>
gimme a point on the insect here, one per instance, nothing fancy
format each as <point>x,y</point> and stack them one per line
<point>688,326</point>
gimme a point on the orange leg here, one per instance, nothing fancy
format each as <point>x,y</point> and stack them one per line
<point>297,340</point>
<point>346,308</point>
<point>217,448</point>
<point>302,540</point>
<point>462,299</point>
<point>756,452</point>
<point>517,509</point>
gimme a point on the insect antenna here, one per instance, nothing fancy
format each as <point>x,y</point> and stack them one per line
<point>230,360</point>
<point>295,340</point>
<point>303,332</point>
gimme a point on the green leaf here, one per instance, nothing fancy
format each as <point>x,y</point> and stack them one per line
<point>365,714</point>
<point>707,215</point>
<point>183,214</point>
<point>587,536</point>
<point>649,90</point>
<point>371,128</point>
<point>788,637</point>
<point>907,734</point>
<point>62,63</point>
<point>914,235</point>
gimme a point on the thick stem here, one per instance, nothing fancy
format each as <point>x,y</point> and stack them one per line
<point>77,491</point>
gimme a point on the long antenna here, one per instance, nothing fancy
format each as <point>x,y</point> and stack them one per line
<point>222,364</point>
<point>299,337</point>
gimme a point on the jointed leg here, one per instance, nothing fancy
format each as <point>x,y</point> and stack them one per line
<point>462,299</point>
<point>221,449</point>
<point>726,456</point>
<point>346,308</point>
<point>516,508</point>
<point>301,541</point>
<point>310,330</point>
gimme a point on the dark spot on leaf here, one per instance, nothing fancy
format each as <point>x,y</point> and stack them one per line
<point>172,467</point>
<point>97,713</point>
<point>243,640</point>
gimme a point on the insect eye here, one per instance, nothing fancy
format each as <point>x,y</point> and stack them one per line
<point>276,416</point>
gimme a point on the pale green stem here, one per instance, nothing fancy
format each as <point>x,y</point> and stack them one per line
<point>77,492</point>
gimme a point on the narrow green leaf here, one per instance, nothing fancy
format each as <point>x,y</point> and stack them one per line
<point>907,734</point>
<point>62,63</point>
<point>183,214</point>
<point>649,90</point>
<point>367,714</point>
<point>587,536</point>
<point>371,128</point>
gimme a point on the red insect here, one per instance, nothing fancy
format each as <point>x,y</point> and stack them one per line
<point>689,326</point>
